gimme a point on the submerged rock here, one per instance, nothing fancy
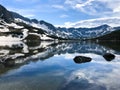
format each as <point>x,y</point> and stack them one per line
<point>109,56</point>
<point>82,59</point>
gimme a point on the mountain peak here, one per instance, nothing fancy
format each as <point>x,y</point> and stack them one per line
<point>105,25</point>
<point>50,26</point>
<point>35,21</point>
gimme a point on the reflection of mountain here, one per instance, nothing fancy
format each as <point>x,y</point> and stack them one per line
<point>113,45</point>
<point>15,54</point>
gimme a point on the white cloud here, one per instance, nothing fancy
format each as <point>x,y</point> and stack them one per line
<point>96,7</point>
<point>112,21</point>
<point>29,15</point>
<point>64,16</point>
<point>59,7</point>
<point>25,1</point>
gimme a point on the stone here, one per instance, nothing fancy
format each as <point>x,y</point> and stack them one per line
<point>82,59</point>
<point>109,56</point>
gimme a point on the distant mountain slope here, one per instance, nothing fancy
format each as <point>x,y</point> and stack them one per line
<point>20,29</point>
<point>115,35</point>
<point>86,33</point>
<point>16,15</point>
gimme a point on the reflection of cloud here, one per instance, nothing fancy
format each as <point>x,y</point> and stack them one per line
<point>106,76</point>
<point>71,56</point>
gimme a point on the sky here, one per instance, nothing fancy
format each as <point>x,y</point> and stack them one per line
<point>64,12</point>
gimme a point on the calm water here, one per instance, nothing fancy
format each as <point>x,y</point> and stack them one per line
<point>50,66</point>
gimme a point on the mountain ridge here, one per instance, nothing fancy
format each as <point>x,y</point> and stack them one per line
<point>14,22</point>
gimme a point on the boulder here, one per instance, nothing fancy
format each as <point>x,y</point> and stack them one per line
<point>109,56</point>
<point>82,59</point>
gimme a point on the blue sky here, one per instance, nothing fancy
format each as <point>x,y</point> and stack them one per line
<point>60,12</point>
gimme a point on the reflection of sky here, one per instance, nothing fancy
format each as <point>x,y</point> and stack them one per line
<point>102,75</point>
<point>61,71</point>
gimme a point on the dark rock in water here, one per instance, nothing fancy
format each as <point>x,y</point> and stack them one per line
<point>82,59</point>
<point>109,56</point>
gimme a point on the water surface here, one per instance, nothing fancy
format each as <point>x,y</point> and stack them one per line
<point>50,66</point>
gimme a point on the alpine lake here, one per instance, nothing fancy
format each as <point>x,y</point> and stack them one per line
<point>51,65</point>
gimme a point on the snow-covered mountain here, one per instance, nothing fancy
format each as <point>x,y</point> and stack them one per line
<point>88,33</point>
<point>14,26</point>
